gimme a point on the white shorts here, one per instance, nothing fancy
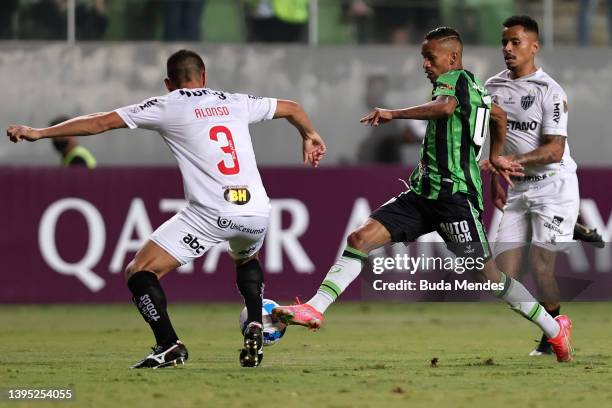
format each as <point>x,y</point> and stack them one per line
<point>542,213</point>
<point>190,233</point>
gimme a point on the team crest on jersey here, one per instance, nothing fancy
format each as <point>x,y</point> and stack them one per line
<point>527,101</point>
<point>238,195</point>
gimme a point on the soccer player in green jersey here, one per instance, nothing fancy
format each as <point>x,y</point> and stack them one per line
<point>445,193</point>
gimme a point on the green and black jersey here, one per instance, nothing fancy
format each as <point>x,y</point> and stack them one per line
<point>452,146</point>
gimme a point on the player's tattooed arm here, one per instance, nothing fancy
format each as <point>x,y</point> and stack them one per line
<point>313,146</point>
<point>441,107</point>
<point>551,151</point>
<point>91,124</point>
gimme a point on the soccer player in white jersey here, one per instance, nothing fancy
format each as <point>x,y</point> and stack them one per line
<point>208,133</point>
<point>540,211</point>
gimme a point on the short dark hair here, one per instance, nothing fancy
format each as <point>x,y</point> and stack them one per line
<point>443,32</point>
<point>184,66</point>
<point>528,23</point>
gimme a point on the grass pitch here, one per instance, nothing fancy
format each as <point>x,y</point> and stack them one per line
<point>367,355</point>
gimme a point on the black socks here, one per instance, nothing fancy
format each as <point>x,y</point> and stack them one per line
<point>250,280</point>
<point>149,298</point>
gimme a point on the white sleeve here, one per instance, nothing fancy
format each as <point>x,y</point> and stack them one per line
<point>148,114</point>
<point>259,108</point>
<point>554,112</point>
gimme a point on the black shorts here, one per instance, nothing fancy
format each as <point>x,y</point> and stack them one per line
<point>456,218</point>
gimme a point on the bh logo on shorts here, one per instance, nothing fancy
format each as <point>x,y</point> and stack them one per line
<point>193,244</point>
<point>458,231</point>
<point>237,195</point>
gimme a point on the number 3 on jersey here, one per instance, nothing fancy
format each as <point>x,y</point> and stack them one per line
<point>481,129</point>
<point>229,149</point>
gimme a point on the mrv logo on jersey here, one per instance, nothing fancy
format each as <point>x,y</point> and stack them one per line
<point>237,195</point>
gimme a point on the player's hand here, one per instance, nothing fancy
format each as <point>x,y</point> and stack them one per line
<point>377,116</point>
<point>487,167</point>
<point>313,149</point>
<point>17,133</point>
<point>506,167</point>
<point>498,194</point>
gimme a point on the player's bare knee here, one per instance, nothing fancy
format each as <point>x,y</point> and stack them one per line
<point>357,239</point>
<point>129,271</point>
<point>138,266</point>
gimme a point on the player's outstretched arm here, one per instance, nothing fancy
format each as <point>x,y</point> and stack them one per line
<point>80,126</point>
<point>441,107</point>
<point>313,146</point>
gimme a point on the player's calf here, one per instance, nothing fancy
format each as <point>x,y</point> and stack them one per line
<point>150,299</point>
<point>250,280</point>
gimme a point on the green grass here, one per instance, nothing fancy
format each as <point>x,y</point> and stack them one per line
<point>367,355</point>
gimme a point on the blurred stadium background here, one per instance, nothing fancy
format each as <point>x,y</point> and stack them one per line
<point>69,232</point>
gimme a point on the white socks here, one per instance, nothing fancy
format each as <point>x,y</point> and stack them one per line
<point>340,275</point>
<point>522,302</point>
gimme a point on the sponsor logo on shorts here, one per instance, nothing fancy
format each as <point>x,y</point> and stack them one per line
<point>193,244</point>
<point>237,195</point>
<point>458,231</point>
<point>225,223</point>
<point>247,251</point>
<point>555,224</point>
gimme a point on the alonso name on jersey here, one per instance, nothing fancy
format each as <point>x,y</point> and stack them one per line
<point>208,133</point>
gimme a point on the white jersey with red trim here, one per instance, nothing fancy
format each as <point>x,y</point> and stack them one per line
<point>208,133</point>
<point>536,106</point>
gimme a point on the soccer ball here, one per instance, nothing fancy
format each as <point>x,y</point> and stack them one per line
<point>273,330</point>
